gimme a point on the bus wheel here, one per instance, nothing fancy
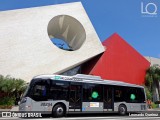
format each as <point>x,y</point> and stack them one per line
<point>58,111</point>
<point>122,110</point>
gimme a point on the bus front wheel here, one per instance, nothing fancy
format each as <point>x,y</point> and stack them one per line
<point>58,110</point>
<point>122,110</point>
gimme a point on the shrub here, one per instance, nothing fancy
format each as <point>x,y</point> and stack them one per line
<point>154,105</point>
<point>7,102</point>
<point>148,93</point>
<point>10,88</point>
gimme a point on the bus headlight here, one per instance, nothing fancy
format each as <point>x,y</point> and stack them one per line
<point>23,100</point>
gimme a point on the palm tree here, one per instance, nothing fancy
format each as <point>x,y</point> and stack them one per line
<point>11,88</point>
<point>152,80</point>
<point>1,80</point>
<point>7,85</point>
<point>11,85</point>
<point>20,86</point>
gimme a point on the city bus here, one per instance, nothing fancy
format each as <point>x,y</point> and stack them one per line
<point>60,95</point>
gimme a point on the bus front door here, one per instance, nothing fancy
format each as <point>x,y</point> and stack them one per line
<point>108,98</point>
<point>75,101</point>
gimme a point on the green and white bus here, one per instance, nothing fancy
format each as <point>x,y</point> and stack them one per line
<point>60,95</point>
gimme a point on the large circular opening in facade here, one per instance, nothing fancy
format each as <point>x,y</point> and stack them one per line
<point>66,32</point>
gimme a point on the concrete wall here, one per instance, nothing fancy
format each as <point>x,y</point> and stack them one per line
<point>153,60</point>
<point>25,45</point>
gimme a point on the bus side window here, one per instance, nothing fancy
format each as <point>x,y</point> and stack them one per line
<point>59,90</point>
<point>136,95</point>
<point>92,93</point>
<point>141,95</point>
<point>119,94</point>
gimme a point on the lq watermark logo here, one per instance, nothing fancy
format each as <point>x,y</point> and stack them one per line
<point>149,9</point>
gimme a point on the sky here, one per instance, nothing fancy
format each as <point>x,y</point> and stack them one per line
<point>137,21</point>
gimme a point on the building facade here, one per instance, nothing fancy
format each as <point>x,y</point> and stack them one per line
<point>28,49</point>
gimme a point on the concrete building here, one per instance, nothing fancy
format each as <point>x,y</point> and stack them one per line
<point>153,60</point>
<point>120,62</point>
<point>26,34</point>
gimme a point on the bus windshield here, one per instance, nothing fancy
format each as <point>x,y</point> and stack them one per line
<point>26,91</point>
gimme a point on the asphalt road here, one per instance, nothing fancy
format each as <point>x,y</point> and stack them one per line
<point>91,117</point>
<point>107,116</point>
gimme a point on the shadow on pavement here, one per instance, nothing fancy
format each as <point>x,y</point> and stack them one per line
<point>92,115</point>
<point>88,115</point>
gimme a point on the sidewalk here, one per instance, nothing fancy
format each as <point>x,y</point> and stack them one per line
<point>4,110</point>
<point>154,109</point>
<point>14,108</point>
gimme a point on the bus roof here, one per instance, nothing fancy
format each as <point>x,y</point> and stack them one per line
<point>86,79</point>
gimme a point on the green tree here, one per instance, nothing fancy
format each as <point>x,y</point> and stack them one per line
<point>20,87</point>
<point>7,85</point>
<point>11,88</point>
<point>153,78</point>
<point>1,82</point>
<point>148,93</point>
